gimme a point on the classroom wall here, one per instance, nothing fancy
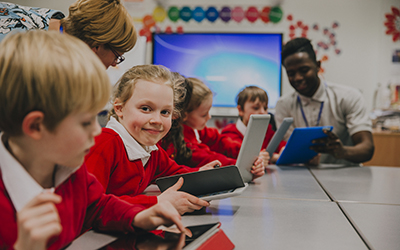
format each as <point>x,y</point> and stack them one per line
<point>365,50</point>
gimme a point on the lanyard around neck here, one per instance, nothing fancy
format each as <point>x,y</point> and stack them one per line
<point>304,116</point>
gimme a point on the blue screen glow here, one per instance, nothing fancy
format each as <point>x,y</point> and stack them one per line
<point>226,62</point>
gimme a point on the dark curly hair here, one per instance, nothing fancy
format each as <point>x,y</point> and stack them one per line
<point>297,45</point>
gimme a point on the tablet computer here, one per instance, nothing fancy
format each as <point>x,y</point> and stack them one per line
<point>278,136</point>
<point>297,150</point>
<point>167,238</point>
<point>251,145</point>
<point>212,184</point>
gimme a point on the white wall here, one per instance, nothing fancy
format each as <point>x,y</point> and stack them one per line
<point>366,53</point>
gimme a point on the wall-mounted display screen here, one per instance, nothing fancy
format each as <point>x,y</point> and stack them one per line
<point>226,62</point>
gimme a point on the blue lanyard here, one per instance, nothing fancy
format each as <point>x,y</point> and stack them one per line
<point>61,29</point>
<point>304,116</point>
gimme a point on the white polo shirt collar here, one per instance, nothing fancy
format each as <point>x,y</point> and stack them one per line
<point>133,149</point>
<point>19,184</point>
<point>241,127</point>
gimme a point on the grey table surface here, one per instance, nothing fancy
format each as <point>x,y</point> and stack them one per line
<point>258,223</point>
<point>329,207</point>
<point>361,184</point>
<point>286,183</point>
<point>378,224</point>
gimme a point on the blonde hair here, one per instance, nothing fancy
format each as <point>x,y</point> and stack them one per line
<point>199,93</point>
<point>50,72</point>
<point>125,86</point>
<point>98,22</point>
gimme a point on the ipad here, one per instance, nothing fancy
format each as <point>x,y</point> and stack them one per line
<point>279,134</point>
<point>297,150</point>
<point>200,234</point>
<point>212,184</point>
<point>251,145</point>
<point>168,238</point>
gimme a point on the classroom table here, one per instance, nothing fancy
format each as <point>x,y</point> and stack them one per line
<point>328,207</point>
<point>363,184</point>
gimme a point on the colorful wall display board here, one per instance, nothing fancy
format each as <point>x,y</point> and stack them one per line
<point>226,13</point>
<point>266,14</point>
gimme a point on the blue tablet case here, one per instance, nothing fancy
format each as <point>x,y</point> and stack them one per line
<point>297,148</point>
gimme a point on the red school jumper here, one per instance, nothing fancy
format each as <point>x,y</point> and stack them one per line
<point>212,147</point>
<point>231,131</point>
<point>84,205</point>
<point>109,162</point>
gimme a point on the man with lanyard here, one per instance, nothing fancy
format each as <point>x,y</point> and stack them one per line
<point>319,103</point>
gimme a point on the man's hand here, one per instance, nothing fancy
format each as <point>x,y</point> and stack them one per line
<point>330,145</point>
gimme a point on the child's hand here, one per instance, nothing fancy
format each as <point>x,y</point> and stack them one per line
<point>276,156</point>
<point>211,165</point>
<point>183,202</point>
<point>264,155</point>
<point>163,213</point>
<point>38,221</point>
<point>258,169</point>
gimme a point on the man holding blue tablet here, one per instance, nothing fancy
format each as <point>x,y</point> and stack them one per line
<point>319,103</point>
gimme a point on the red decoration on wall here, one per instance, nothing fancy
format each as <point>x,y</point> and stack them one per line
<point>148,21</point>
<point>252,14</point>
<point>264,15</point>
<point>393,24</point>
<point>299,25</point>
<point>179,30</point>
<point>145,32</point>
<point>168,30</point>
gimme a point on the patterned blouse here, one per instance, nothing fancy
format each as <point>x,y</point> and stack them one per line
<point>14,17</point>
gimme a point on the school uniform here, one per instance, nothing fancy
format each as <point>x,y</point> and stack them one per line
<point>208,145</point>
<point>84,204</point>
<point>125,168</point>
<point>236,132</point>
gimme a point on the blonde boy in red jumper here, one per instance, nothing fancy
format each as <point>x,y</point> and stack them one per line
<point>251,100</point>
<point>51,88</point>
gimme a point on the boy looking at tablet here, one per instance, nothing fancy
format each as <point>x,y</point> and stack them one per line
<point>48,122</point>
<point>252,100</point>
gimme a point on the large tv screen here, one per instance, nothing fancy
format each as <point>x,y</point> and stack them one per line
<point>226,62</point>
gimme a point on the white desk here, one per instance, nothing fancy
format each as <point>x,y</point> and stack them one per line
<point>252,223</point>
<point>289,209</point>
<point>361,184</point>
<point>286,183</point>
<point>377,223</point>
